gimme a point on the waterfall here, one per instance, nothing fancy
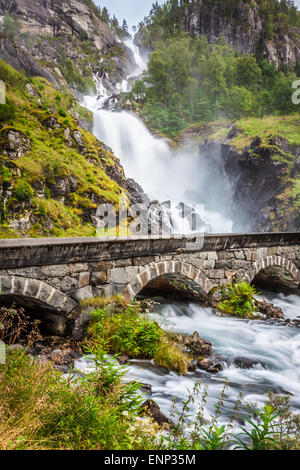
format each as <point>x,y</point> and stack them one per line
<point>165,174</point>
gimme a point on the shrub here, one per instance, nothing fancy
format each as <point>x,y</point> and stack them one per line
<point>169,355</point>
<point>238,299</point>
<point>127,331</point>
<point>22,190</point>
<point>40,410</point>
<point>11,76</point>
<point>62,112</point>
<point>7,112</point>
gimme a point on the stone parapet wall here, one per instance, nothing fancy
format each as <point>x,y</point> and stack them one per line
<point>73,271</point>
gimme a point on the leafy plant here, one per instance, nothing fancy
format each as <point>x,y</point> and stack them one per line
<point>238,299</point>
<point>7,112</point>
<point>261,432</point>
<point>22,190</point>
<point>127,331</point>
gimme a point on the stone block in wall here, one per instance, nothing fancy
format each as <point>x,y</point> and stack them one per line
<point>272,251</point>
<point>123,275</point>
<point>59,270</point>
<point>212,255</point>
<point>80,322</point>
<point>121,263</point>
<point>240,264</point>
<point>84,279</point>
<point>222,255</point>
<point>100,277</point>
<point>32,288</point>
<point>249,255</point>
<point>208,264</point>
<point>66,284</point>
<point>261,252</point>
<point>6,284</point>
<point>101,265</point>
<point>142,260</point>
<point>19,285</point>
<point>239,254</point>
<point>216,274</point>
<point>83,293</point>
<point>230,275</point>
<point>34,273</point>
<point>223,264</point>
<point>78,267</point>
<point>116,289</point>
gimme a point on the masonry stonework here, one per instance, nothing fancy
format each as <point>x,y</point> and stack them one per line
<point>58,274</point>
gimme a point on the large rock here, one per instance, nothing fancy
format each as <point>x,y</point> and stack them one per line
<point>197,346</point>
<point>151,408</point>
<point>18,57</point>
<point>209,366</point>
<point>259,176</point>
<point>14,144</point>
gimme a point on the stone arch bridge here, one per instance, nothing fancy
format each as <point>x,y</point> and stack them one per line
<point>54,275</point>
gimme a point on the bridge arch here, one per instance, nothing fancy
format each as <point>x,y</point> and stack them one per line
<point>155,270</point>
<point>269,261</point>
<point>39,291</point>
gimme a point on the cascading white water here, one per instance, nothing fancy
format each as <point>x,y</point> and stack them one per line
<point>163,173</point>
<point>271,353</point>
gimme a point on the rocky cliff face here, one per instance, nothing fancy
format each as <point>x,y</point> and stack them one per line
<point>19,59</point>
<point>264,179</point>
<point>241,24</point>
<point>244,29</point>
<point>67,38</point>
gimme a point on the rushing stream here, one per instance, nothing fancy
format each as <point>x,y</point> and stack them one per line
<point>257,356</point>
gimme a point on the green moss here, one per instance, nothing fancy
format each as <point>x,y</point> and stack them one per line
<point>50,158</point>
<point>22,190</point>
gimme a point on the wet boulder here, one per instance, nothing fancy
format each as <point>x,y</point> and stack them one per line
<point>244,362</point>
<point>269,310</point>
<point>197,346</point>
<point>209,366</point>
<point>151,408</point>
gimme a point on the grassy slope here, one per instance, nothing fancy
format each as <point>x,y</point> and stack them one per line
<point>51,158</point>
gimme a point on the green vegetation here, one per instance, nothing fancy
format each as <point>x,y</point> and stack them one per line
<point>50,158</point>
<point>10,26</point>
<point>83,83</point>
<point>7,112</point>
<point>271,126</point>
<point>238,299</point>
<point>41,410</point>
<point>272,427</point>
<point>22,190</point>
<point>189,80</point>
<point>127,331</point>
